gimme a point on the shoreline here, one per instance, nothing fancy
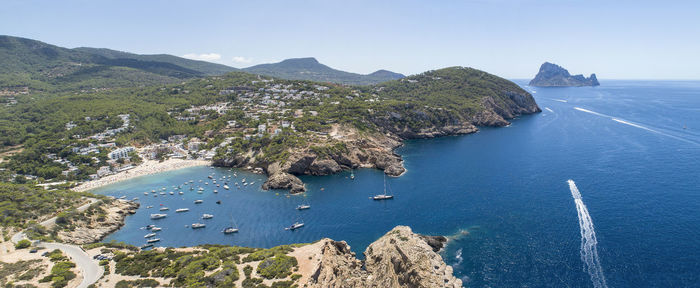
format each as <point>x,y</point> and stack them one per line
<point>148,167</point>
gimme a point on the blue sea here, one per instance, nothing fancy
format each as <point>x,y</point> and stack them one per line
<point>632,149</point>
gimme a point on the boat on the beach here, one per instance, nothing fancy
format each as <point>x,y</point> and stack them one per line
<point>182,210</point>
<point>198,225</point>
<point>158,216</point>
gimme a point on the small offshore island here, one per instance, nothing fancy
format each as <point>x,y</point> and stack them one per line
<point>64,142</point>
<point>553,75</point>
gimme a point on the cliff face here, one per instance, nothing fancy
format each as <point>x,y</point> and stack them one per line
<point>552,75</point>
<point>92,228</point>
<point>444,102</point>
<point>400,258</point>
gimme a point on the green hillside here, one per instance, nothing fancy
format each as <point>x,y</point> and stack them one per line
<point>311,69</point>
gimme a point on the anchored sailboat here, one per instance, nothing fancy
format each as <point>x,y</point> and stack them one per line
<point>383,196</point>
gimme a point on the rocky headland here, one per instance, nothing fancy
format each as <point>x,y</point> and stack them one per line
<point>96,222</point>
<point>552,75</point>
<point>400,258</point>
<point>349,148</point>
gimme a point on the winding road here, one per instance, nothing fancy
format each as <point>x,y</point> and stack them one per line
<point>89,268</point>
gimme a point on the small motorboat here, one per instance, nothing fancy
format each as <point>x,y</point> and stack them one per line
<point>295,226</point>
<point>207,216</point>
<point>158,216</point>
<point>198,225</point>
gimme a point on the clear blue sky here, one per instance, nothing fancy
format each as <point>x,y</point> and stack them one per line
<point>615,39</point>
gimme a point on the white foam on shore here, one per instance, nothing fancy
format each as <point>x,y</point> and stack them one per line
<point>589,242</point>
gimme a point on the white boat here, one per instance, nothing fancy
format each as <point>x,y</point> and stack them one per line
<point>149,206</point>
<point>154,240</point>
<point>180,193</point>
<point>198,225</point>
<point>229,230</point>
<point>146,246</point>
<point>149,227</point>
<point>207,216</point>
<point>123,197</point>
<point>162,193</point>
<point>158,216</point>
<point>303,207</point>
<point>182,210</point>
<point>216,191</point>
<point>172,193</point>
<point>145,193</point>
<point>164,208</point>
<point>150,235</point>
<point>156,229</point>
<point>198,201</point>
<point>294,226</point>
<point>226,187</point>
<point>383,196</point>
<point>352,175</point>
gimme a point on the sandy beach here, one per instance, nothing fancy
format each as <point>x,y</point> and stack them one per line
<point>148,167</point>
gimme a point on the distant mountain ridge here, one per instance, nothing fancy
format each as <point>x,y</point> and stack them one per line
<point>42,66</point>
<point>36,65</point>
<point>552,75</point>
<point>310,69</point>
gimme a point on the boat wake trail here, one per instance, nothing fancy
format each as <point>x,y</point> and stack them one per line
<point>589,248</point>
<point>560,100</point>
<point>550,110</point>
<point>621,121</point>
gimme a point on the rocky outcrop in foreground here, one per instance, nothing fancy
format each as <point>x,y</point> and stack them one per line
<point>552,75</point>
<point>97,225</point>
<point>400,258</point>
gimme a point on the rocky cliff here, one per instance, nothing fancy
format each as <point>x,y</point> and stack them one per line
<point>552,75</point>
<point>400,258</point>
<point>98,221</point>
<point>443,102</point>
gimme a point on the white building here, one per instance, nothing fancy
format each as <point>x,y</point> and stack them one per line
<point>120,153</point>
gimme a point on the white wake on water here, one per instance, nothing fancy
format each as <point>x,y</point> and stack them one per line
<point>550,110</point>
<point>589,243</point>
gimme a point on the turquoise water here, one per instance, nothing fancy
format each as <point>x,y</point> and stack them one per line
<point>623,143</point>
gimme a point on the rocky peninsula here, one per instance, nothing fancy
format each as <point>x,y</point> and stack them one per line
<point>96,222</point>
<point>484,100</point>
<point>400,258</point>
<point>552,75</point>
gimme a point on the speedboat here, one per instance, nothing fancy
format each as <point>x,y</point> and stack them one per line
<point>182,210</point>
<point>164,208</point>
<point>303,207</point>
<point>158,216</point>
<point>198,225</point>
<point>207,216</point>
<point>294,226</point>
<point>198,201</point>
<point>154,240</point>
<point>156,229</point>
<point>149,235</point>
<point>382,197</point>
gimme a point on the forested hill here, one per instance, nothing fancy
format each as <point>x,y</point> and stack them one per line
<point>30,65</point>
<point>204,67</point>
<point>311,69</point>
<point>226,113</point>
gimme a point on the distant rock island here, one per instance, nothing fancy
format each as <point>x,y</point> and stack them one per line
<point>553,75</point>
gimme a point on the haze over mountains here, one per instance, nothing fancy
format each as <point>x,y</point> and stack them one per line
<point>42,66</point>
